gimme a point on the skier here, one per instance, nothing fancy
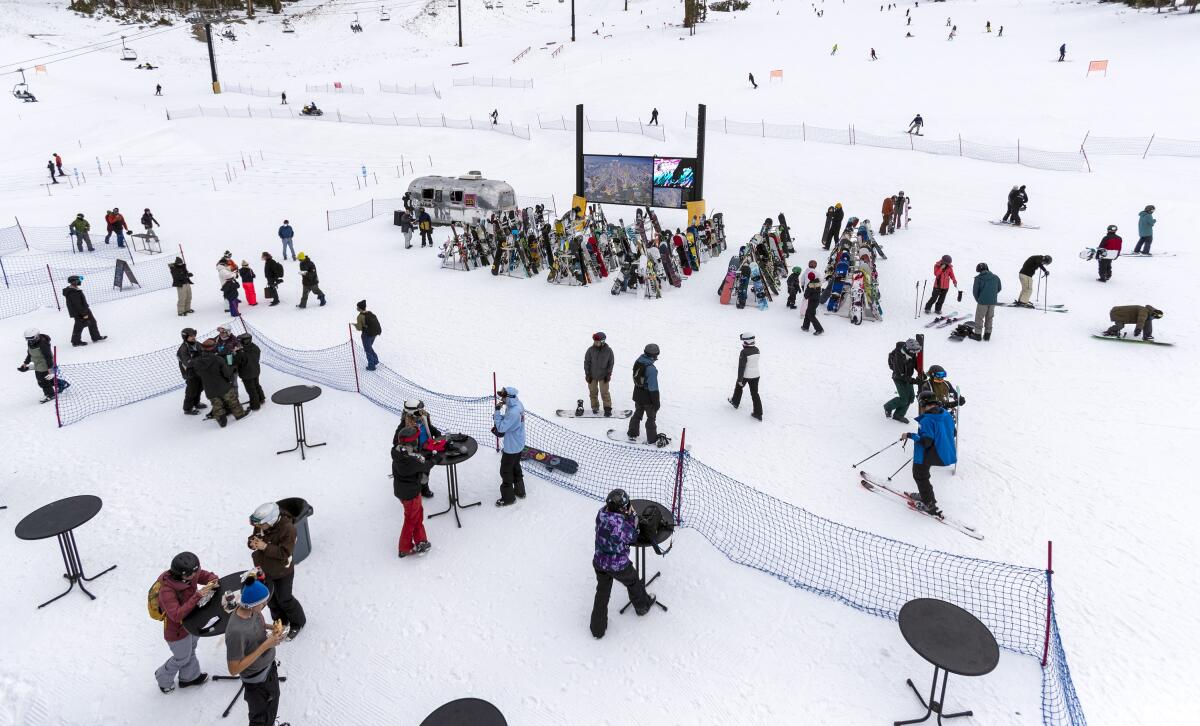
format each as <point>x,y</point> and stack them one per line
<point>985,289</point>
<point>748,375</point>
<point>41,356</point>
<point>189,350</point>
<point>1017,200</point>
<point>368,325</point>
<point>812,298</point>
<point>509,425</point>
<point>873,56</point>
<point>425,225</point>
<point>752,83</point>
<point>78,309</point>
<point>903,363</point>
<point>1146,222</point>
<point>942,389</point>
<point>989,26</point>
<point>654,117</point>
<point>283,98</point>
<point>793,287</point>
<point>148,222</point>
<point>286,235</point>
<point>410,474</point>
<point>250,649</point>
<point>943,277</point>
<point>646,399</point>
<point>1032,265</point>
<point>934,446</point>
<point>1141,316</point>
<point>246,363</point>
<point>406,228</point>
<point>1001,33</point>
<point>887,224</point>
<point>177,596</point>
<point>58,164</point>
<point>80,227</point>
<point>273,271</point>
<point>119,226</point>
<point>272,543</point>
<point>1112,246</point>
<point>158,89</point>
<point>495,114</point>
<point>50,169</point>
<point>616,530</point>
<point>217,377</point>
<point>597,371</point>
<point>915,126</point>
<point>1062,52</point>
<point>309,281</point>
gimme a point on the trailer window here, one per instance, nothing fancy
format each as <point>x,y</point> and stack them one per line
<point>507,199</point>
<point>427,195</point>
<point>456,196</point>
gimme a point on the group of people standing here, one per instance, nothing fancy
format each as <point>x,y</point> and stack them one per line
<point>213,367</point>
<point>114,224</point>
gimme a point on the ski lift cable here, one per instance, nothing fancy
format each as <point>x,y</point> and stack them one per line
<point>86,50</point>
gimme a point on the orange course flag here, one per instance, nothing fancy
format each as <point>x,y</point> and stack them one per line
<point>778,73</point>
<point>1098,65</point>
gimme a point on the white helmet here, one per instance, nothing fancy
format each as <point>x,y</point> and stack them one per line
<point>31,333</point>
<point>747,338</point>
<point>266,514</point>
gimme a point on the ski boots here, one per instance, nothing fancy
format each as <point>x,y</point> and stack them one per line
<point>987,335</point>
<point>194,682</point>
<point>422,547</point>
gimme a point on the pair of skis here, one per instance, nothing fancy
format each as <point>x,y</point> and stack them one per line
<point>1045,308</point>
<point>875,485</point>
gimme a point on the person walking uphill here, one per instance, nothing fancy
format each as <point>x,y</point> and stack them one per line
<point>646,400</point>
<point>181,280</point>
<point>985,289</point>
<point>597,371</point>
<point>309,281</point>
<point>1146,222</point>
<point>1031,266</point>
<point>934,446</point>
<point>273,271</point>
<point>509,425</point>
<point>943,277</point>
<point>369,326</point>
<point>616,530</point>
<point>903,363</point>
<point>250,652</point>
<point>748,375</point>
<point>273,541</point>
<point>286,235</point>
<point>78,309</point>
<point>410,475</point>
<point>174,597</point>
<point>216,377</point>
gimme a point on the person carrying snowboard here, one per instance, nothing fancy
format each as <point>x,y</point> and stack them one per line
<point>943,277</point>
<point>748,375</point>
<point>903,363</point>
<point>1032,265</point>
<point>933,446</point>
<point>509,425</point>
<point>1141,316</point>
<point>1111,244</point>
<point>1145,230</point>
<point>597,371</point>
<point>616,530</point>
<point>914,127</point>
<point>646,399</point>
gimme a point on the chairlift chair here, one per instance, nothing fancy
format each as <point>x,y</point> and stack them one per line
<point>21,93</point>
<point>287,27</point>
<point>383,15</point>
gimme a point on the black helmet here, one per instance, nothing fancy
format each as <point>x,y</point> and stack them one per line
<point>935,370</point>
<point>1112,228</point>
<point>617,501</point>
<point>75,280</point>
<point>184,564</point>
<point>927,396</point>
<point>651,350</point>
<point>981,267</point>
<point>1047,259</point>
<point>187,333</point>
<point>946,259</point>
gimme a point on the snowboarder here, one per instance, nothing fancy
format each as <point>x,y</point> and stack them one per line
<point>286,235</point>
<point>189,350</point>
<point>748,375</point>
<point>943,277</point>
<point>793,286</point>
<point>368,325</point>
<point>1141,316</point>
<point>41,356</point>
<point>597,371</point>
<point>250,649</point>
<point>177,597</point>
<point>985,289</point>
<point>425,225</point>
<point>78,309</point>
<point>158,89</point>
<point>273,271</point>
<point>1017,200</point>
<point>646,399</point>
<point>915,126</point>
<point>50,169</point>
<point>181,280</point>
<point>903,363</point>
<point>654,117</point>
<point>1032,265</point>
<point>58,164</point>
<point>1111,244</point>
<point>495,114</point>
<point>308,280</point>
<point>283,98</point>
<point>873,56</point>
<point>900,206</point>
<point>509,425</point>
<point>79,227</point>
<point>616,530</point>
<point>1146,222</point>
<point>410,474</point>
<point>812,298</point>
<point>272,543</point>
<point>246,363</point>
<point>834,219</point>
<point>1062,52</point>
<point>834,51</point>
<point>148,222</point>
<point>933,446</point>
<point>752,83</point>
<point>217,377</point>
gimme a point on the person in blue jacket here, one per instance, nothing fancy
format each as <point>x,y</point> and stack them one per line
<point>286,233</point>
<point>1145,230</point>
<point>934,447</point>
<point>510,427</point>
<point>646,399</point>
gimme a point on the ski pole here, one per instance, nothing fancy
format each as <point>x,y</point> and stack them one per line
<point>877,453</point>
<point>1046,302</point>
<point>897,471</point>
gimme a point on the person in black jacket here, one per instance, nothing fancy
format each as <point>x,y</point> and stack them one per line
<point>217,378</point>
<point>77,308</point>
<point>410,475</point>
<point>793,286</point>
<point>1031,266</point>
<point>181,280</point>
<point>368,324</point>
<point>41,357</point>
<point>273,271</point>
<point>229,291</point>
<point>835,225</point>
<point>748,374</point>
<point>812,298</point>
<point>246,363</point>
<point>1017,199</point>
<point>308,280</point>
<point>188,351</point>
<point>903,362</point>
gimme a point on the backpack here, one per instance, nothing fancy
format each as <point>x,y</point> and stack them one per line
<point>894,360</point>
<point>639,374</point>
<point>650,523</point>
<point>152,606</point>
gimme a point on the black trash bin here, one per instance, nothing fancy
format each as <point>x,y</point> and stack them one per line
<point>396,217</point>
<point>299,510</point>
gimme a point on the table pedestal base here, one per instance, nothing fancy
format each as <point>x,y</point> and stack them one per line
<point>933,706</point>
<point>241,687</point>
<point>301,434</point>
<point>452,493</point>
<point>74,573</point>
<point>639,564</point>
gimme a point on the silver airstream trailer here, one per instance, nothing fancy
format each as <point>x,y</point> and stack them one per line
<point>465,198</point>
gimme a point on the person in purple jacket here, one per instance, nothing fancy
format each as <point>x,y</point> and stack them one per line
<point>616,530</point>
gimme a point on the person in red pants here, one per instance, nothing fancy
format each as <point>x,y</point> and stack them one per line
<point>248,276</point>
<point>410,474</point>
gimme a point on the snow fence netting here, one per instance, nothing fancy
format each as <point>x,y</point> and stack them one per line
<point>866,571</point>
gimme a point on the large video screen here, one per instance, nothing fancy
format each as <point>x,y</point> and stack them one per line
<point>618,179</point>
<point>674,173</point>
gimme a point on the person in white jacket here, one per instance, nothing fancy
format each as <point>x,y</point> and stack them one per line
<point>748,375</point>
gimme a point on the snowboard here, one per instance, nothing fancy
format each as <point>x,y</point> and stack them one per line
<point>1008,224</point>
<point>1156,254</point>
<point>968,326</point>
<point>760,290</point>
<point>1129,340</point>
<point>726,291</point>
<point>616,435</point>
<point>550,461</point>
<point>743,284</point>
<point>877,486</point>
<point>1087,254</point>
<point>580,411</point>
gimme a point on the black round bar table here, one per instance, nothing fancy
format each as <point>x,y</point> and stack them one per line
<point>59,519</point>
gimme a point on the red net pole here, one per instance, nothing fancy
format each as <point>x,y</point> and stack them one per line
<point>57,413</point>
<point>676,498</point>
<point>1049,600</point>
<point>494,403</point>
<point>353,357</point>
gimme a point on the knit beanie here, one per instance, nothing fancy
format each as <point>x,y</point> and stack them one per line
<point>254,594</point>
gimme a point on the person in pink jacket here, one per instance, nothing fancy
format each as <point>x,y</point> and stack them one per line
<point>943,277</point>
<point>178,596</point>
